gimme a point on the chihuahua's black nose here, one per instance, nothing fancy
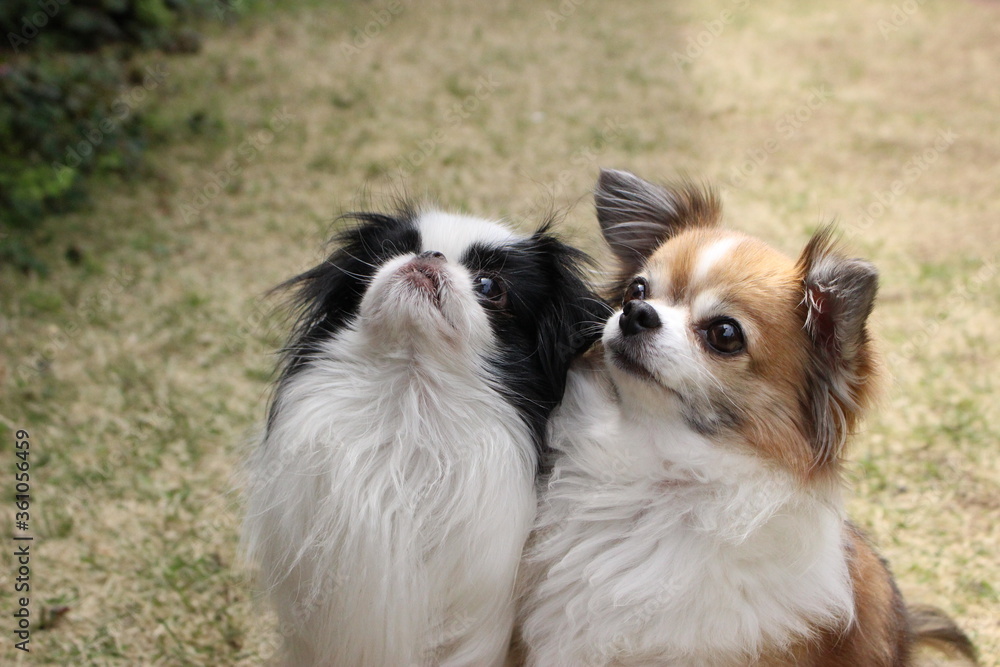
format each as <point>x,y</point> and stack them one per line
<point>637,316</point>
<point>431,254</point>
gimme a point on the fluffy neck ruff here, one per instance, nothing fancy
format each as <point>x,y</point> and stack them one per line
<point>396,498</point>
<point>656,544</point>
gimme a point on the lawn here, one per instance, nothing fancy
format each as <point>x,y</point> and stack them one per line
<point>140,367</point>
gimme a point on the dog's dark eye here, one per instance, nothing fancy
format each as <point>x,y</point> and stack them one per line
<point>636,290</point>
<point>491,290</point>
<point>725,336</point>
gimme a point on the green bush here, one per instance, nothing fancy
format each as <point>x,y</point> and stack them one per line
<point>65,114</point>
<point>47,110</point>
<point>86,25</point>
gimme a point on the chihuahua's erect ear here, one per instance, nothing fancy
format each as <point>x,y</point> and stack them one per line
<point>637,216</point>
<point>839,294</point>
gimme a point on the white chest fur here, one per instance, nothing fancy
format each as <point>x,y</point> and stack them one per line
<point>388,511</point>
<point>657,546</point>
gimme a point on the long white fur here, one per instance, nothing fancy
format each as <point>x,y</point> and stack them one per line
<point>392,536</point>
<point>655,545</point>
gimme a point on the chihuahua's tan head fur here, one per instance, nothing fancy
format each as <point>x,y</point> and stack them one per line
<point>746,344</point>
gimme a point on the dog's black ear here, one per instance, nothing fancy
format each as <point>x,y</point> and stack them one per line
<point>576,315</point>
<point>559,316</point>
<point>637,217</point>
<point>568,327</point>
<point>838,297</point>
<point>326,296</point>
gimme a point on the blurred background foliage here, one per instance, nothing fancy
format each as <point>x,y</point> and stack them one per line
<point>72,76</point>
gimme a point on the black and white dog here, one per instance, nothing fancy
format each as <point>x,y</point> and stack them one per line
<point>393,489</point>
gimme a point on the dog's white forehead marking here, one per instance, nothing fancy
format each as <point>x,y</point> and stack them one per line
<point>705,305</point>
<point>454,234</point>
<point>710,256</point>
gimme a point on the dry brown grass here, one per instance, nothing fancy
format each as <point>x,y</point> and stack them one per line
<point>151,382</point>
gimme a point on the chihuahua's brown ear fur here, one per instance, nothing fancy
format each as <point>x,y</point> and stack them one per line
<point>838,296</point>
<point>637,216</point>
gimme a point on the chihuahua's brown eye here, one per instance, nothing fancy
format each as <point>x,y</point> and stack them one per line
<point>636,290</point>
<point>725,336</point>
<point>491,290</point>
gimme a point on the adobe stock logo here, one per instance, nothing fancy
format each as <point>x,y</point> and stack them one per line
<point>31,25</point>
<point>460,111</point>
<point>121,109</point>
<point>902,14</point>
<point>713,29</point>
<point>215,181</point>
<point>786,127</point>
<point>379,20</point>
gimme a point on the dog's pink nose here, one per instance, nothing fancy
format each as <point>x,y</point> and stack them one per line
<point>424,271</point>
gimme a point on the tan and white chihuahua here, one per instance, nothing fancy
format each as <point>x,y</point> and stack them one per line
<point>694,515</point>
